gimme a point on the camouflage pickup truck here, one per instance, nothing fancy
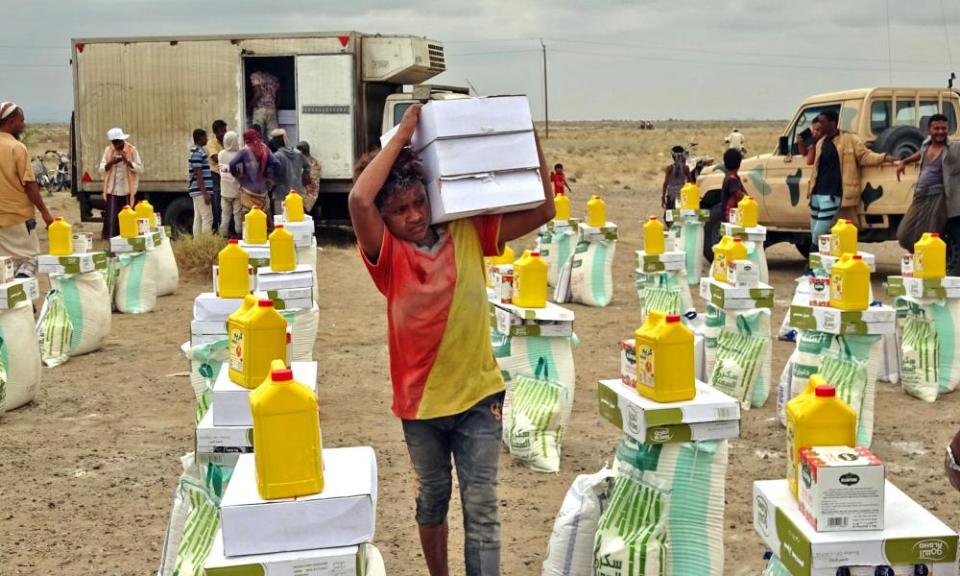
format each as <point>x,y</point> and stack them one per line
<point>891,120</point>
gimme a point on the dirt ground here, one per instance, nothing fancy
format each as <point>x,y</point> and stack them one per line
<point>89,469</point>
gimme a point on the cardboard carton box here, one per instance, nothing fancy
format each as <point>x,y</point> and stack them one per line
<point>8,269</point>
<point>608,231</point>
<point>495,193</point>
<point>628,363</point>
<point>912,535</point>
<point>73,264</point>
<point>211,308</point>
<point>743,274</point>
<point>301,277</point>
<point>552,320</point>
<point>677,215</point>
<point>232,403</point>
<point>344,514</point>
<point>212,439</point>
<point>826,261</point>
<point>142,243</point>
<point>572,224</point>
<point>342,561</point>
<point>841,488</point>
<point>923,289</point>
<point>876,320</point>
<point>303,232</point>
<point>754,234</point>
<point>259,254</point>
<point>82,242</point>
<point>17,291</point>
<point>729,297</point>
<point>668,261</point>
<point>636,415</point>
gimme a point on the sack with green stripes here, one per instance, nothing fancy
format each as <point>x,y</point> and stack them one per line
<point>205,362</point>
<point>168,275</point>
<point>631,536</point>
<point>693,476</point>
<point>539,413</point>
<point>54,330</point>
<point>303,324</point>
<point>920,346</point>
<point>194,520</point>
<point>555,249</point>
<point>664,291</point>
<point>87,300</point>
<point>20,355</point>
<point>570,550</point>
<point>757,255</point>
<point>3,377</point>
<point>111,274</point>
<point>775,567</point>
<point>591,274</point>
<point>136,284</point>
<point>307,256</point>
<point>944,317</point>
<point>691,242</point>
<point>754,325</point>
<point>849,376</point>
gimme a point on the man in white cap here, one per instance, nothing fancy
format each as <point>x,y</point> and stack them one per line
<point>20,197</point>
<point>296,169</point>
<point>121,168</point>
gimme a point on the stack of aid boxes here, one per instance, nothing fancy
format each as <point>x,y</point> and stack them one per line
<point>289,290</point>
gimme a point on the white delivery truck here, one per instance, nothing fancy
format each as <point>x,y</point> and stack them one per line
<point>338,92</point>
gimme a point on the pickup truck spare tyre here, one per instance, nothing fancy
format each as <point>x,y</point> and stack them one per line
<point>899,141</point>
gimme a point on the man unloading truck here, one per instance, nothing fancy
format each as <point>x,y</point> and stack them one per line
<point>447,387</point>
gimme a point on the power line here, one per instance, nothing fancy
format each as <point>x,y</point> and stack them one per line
<point>946,34</point>
<point>492,52</point>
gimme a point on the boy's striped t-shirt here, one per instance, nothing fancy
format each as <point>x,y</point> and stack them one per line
<point>441,357</point>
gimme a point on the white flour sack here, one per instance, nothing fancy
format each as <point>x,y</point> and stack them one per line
<point>539,413</point>
<point>737,366</point>
<point>136,291</point>
<point>667,292</point>
<point>693,476</point>
<point>54,330</point>
<point>20,357</point>
<point>631,537</point>
<point>168,275</point>
<point>944,319</point>
<point>303,327</point>
<point>919,346</point>
<point>87,300</point>
<point>194,520</point>
<point>307,256</point>
<point>591,274</point>
<point>755,323</point>
<point>570,550</point>
<point>555,250</point>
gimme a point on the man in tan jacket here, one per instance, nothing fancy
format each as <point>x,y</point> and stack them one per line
<point>835,181</point>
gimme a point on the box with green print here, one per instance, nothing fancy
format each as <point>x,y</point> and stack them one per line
<point>924,288</point>
<point>820,261</point>
<point>912,535</point>
<point>72,264</point>
<point>723,295</point>
<point>342,561</point>
<point>551,321</point>
<point>259,254</point>
<point>666,262</point>
<point>876,320</point>
<point>17,291</point>
<point>121,245</point>
<point>711,415</point>
<point>608,231</point>
<point>754,234</point>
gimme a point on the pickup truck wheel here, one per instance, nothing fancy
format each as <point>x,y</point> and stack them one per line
<point>179,215</point>
<point>899,141</point>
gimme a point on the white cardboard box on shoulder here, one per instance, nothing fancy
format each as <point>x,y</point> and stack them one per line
<point>344,514</point>
<point>232,400</point>
<point>479,156</point>
<point>342,561</point>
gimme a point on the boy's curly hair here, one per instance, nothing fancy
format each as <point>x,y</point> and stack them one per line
<point>407,171</point>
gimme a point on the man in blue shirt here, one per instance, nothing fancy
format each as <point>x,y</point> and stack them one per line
<point>200,184</point>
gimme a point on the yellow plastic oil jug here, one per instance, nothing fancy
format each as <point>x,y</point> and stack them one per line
<point>293,207</point>
<point>261,338</point>
<point>283,253</point>
<point>233,271</point>
<point>720,250</point>
<point>844,235</point>
<point>747,212</point>
<point>255,226</point>
<point>236,320</point>
<point>820,420</point>
<point>61,237</point>
<point>596,212</point>
<point>507,257</point>
<point>850,283</point>
<point>530,281</point>
<point>665,361</point>
<point>689,197</point>
<point>286,432</point>
<point>562,204</point>
<point>128,222</point>
<point>653,236</point>
<point>929,257</point>
<point>145,210</point>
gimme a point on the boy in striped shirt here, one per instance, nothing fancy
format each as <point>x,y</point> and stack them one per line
<point>200,184</point>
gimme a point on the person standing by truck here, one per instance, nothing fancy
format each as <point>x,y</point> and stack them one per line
<point>311,188</point>
<point>200,184</point>
<point>20,197</point>
<point>263,105</point>
<point>835,180</point>
<point>675,176</point>
<point>256,169</point>
<point>214,147</point>
<point>121,168</point>
<point>927,212</point>
<point>297,171</point>
<point>447,388</point>
<point>230,206</point>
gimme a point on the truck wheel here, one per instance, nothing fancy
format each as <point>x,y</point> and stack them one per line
<point>899,141</point>
<point>179,215</point>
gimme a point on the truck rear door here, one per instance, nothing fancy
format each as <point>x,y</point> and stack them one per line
<point>325,111</point>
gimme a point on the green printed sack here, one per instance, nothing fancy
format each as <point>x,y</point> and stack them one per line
<point>3,377</point>
<point>539,412</point>
<point>693,475</point>
<point>168,274</point>
<point>591,274</point>
<point>303,325</point>
<point>555,250</point>
<point>194,521</point>
<point>661,289</point>
<point>20,355</point>
<point>737,368</point>
<point>87,300</point>
<point>775,567</point>
<point>752,322</point>
<point>205,362</point>
<point>691,242</point>
<point>54,330</point>
<point>570,550</point>
<point>849,376</point>
<point>945,318</point>
<point>632,533</point>
<point>920,346</point>
<point>136,291</point>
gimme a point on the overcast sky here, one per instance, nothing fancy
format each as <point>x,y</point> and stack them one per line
<point>607,59</point>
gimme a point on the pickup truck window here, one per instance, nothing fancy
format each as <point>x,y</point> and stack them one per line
<point>879,116</point>
<point>930,107</point>
<point>906,113</point>
<point>399,110</point>
<point>805,120</point>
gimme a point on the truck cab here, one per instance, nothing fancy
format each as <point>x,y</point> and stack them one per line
<point>397,104</point>
<point>890,120</point>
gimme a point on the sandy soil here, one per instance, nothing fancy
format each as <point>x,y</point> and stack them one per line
<point>88,470</point>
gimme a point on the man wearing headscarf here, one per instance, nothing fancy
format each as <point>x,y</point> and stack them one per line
<point>311,188</point>
<point>20,197</point>
<point>255,169</point>
<point>229,187</point>
<point>675,176</point>
<point>121,168</point>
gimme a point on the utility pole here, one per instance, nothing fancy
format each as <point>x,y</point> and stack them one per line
<point>546,98</point>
